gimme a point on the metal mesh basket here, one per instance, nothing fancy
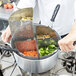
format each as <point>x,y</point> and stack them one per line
<point>32,40</point>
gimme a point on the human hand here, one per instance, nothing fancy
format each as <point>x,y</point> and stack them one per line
<point>6,35</point>
<point>66,44</point>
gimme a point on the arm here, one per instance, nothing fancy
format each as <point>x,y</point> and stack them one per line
<point>6,35</point>
<point>66,44</point>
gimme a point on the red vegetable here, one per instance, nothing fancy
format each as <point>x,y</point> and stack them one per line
<point>8,6</point>
<point>28,48</point>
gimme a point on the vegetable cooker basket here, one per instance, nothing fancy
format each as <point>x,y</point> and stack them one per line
<point>35,46</point>
<point>34,41</point>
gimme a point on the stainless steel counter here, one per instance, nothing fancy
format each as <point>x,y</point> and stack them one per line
<point>5,13</point>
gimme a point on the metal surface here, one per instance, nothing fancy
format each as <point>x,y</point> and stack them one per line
<point>5,13</point>
<point>21,35</point>
<point>3,24</point>
<point>54,15</point>
<point>37,66</point>
<point>26,12</point>
<point>31,65</point>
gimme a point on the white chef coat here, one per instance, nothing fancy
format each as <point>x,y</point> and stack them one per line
<point>64,19</point>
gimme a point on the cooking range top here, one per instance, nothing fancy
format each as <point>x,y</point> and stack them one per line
<point>66,65</point>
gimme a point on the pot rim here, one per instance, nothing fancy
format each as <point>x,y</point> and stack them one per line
<point>38,58</point>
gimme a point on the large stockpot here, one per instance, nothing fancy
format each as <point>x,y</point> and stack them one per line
<point>34,64</point>
<point>37,66</point>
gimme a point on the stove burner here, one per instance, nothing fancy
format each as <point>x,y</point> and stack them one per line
<point>70,64</point>
<point>6,54</point>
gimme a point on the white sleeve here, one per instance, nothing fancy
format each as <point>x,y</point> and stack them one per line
<point>26,3</point>
<point>75,9</point>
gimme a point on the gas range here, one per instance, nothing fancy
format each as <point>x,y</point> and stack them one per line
<point>66,65</point>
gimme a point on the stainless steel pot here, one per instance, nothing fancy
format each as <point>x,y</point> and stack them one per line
<point>37,66</point>
<point>34,65</point>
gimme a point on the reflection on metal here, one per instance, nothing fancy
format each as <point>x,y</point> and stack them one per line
<point>26,12</point>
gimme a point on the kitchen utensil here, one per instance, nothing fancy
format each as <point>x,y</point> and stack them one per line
<point>40,37</point>
<point>35,64</point>
<point>54,15</point>
<point>28,31</point>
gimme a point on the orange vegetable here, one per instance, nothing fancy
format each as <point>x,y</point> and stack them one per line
<point>30,53</point>
<point>28,48</point>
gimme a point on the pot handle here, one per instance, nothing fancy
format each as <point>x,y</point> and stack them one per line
<point>55,12</point>
<point>10,49</point>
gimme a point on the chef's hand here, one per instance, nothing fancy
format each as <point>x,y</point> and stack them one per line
<point>66,44</point>
<point>6,35</point>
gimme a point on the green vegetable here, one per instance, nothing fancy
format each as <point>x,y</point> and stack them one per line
<point>48,48</point>
<point>52,41</point>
